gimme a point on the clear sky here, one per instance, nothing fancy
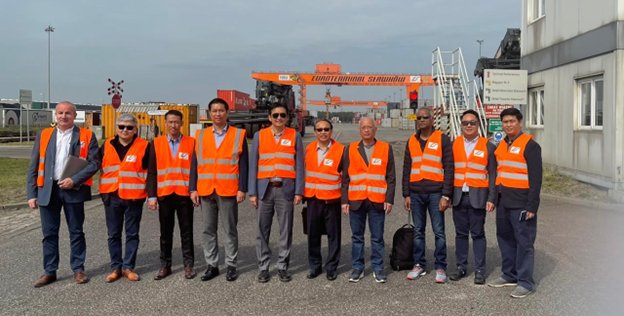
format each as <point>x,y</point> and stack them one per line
<point>183,51</point>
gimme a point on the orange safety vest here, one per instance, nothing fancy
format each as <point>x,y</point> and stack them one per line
<point>512,167</point>
<point>46,134</point>
<point>427,164</point>
<point>277,159</point>
<point>127,177</point>
<point>368,181</point>
<point>323,181</point>
<point>173,174</point>
<point>472,171</point>
<point>217,168</point>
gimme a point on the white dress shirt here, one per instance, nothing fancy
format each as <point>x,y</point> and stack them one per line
<point>469,146</point>
<point>63,141</point>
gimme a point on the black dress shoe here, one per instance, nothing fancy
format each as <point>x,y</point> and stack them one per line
<point>313,274</point>
<point>458,275</point>
<point>331,275</point>
<point>231,274</point>
<point>479,277</point>
<point>210,273</point>
<point>284,275</point>
<point>264,276</point>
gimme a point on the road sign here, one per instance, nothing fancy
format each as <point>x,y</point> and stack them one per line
<point>496,126</point>
<point>493,111</point>
<point>116,101</point>
<point>501,86</point>
<point>498,136</point>
<point>412,117</point>
<point>25,96</point>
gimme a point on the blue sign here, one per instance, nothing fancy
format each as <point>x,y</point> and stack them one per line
<point>498,136</point>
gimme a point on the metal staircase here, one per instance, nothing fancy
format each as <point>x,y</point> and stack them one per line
<point>454,91</point>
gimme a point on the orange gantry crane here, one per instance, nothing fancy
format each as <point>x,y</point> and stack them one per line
<point>330,74</point>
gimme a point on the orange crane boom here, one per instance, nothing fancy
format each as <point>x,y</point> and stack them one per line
<point>330,74</point>
<point>337,101</point>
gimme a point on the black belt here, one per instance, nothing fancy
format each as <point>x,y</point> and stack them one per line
<point>465,193</point>
<point>276,184</point>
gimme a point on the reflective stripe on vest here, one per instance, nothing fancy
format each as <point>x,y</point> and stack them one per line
<point>368,181</point>
<point>473,170</point>
<point>44,140</point>
<point>127,177</point>
<point>323,180</point>
<point>173,174</point>
<point>222,176</point>
<point>512,168</point>
<point>276,159</point>
<point>427,164</point>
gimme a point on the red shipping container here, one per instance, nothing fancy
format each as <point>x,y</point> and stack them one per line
<point>237,101</point>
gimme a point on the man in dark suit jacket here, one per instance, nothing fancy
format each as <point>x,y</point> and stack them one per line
<point>47,191</point>
<point>367,191</point>
<point>474,194</point>
<point>271,193</point>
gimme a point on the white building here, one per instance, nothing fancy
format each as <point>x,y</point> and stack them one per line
<point>573,52</point>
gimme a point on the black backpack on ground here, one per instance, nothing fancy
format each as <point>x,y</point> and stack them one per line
<point>402,255</point>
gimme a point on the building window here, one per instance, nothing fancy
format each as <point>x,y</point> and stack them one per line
<point>590,101</point>
<point>536,107</point>
<point>537,9</point>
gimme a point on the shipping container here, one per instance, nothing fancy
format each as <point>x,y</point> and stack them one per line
<point>395,122</point>
<point>386,122</point>
<point>395,113</point>
<point>152,115</point>
<point>237,101</point>
<point>406,112</point>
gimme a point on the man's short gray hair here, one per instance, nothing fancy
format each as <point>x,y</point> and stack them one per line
<point>127,117</point>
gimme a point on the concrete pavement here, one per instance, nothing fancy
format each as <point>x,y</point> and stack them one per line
<point>578,258</point>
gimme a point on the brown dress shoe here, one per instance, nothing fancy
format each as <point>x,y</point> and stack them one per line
<point>189,272</point>
<point>162,273</point>
<point>113,276</point>
<point>81,278</point>
<point>45,280</point>
<point>131,275</point>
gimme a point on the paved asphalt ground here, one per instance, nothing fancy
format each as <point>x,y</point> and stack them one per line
<point>579,260</point>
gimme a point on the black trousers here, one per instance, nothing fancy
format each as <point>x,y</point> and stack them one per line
<point>168,207</point>
<point>323,215</point>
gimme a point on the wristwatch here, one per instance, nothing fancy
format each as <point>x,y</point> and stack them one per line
<point>446,197</point>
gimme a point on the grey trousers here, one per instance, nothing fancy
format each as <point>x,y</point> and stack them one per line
<point>274,202</point>
<point>214,206</point>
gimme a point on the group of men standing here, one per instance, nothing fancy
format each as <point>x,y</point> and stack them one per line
<point>215,171</point>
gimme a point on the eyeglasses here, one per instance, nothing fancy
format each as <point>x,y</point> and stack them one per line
<point>325,129</point>
<point>122,127</point>
<point>276,115</point>
<point>471,123</point>
<point>423,117</point>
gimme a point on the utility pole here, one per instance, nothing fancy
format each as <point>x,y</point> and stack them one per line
<point>49,30</point>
